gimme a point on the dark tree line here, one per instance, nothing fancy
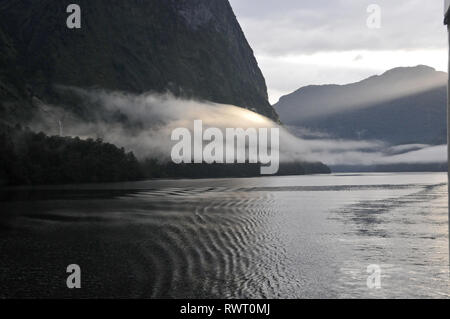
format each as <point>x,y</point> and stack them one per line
<point>32,158</point>
<point>29,158</point>
<point>153,168</point>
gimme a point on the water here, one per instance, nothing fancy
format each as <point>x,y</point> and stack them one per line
<point>275,237</point>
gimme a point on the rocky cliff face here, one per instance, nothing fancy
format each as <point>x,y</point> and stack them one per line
<point>193,48</point>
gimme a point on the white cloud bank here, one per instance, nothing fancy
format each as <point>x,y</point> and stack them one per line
<point>152,117</point>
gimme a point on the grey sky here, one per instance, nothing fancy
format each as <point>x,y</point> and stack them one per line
<point>301,42</point>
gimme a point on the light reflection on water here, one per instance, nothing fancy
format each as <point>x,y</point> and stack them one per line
<point>276,237</point>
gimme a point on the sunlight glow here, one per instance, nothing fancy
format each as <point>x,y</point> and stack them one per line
<point>254,117</point>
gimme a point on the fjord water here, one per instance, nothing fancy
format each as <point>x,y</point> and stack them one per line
<point>275,237</point>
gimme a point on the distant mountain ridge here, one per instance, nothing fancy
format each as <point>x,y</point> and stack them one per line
<point>192,48</point>
<point>401,106</point>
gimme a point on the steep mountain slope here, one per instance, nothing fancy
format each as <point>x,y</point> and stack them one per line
<point>401,106</point>
<point>193,48</point>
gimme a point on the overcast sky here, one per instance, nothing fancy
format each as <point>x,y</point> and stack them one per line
<point>302,42</point>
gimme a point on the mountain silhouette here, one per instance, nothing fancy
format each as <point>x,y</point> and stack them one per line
<point>401,106</point>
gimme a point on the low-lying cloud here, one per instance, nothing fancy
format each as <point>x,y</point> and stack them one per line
<point>150,118</point>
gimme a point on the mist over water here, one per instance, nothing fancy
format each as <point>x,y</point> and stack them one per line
<point>143,123</point>
<point>268,237</point>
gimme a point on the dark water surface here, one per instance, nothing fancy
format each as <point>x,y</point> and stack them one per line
<point>276,237</point>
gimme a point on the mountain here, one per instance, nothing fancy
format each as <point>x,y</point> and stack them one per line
<point>401,106</point>
<point>192,48</point>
